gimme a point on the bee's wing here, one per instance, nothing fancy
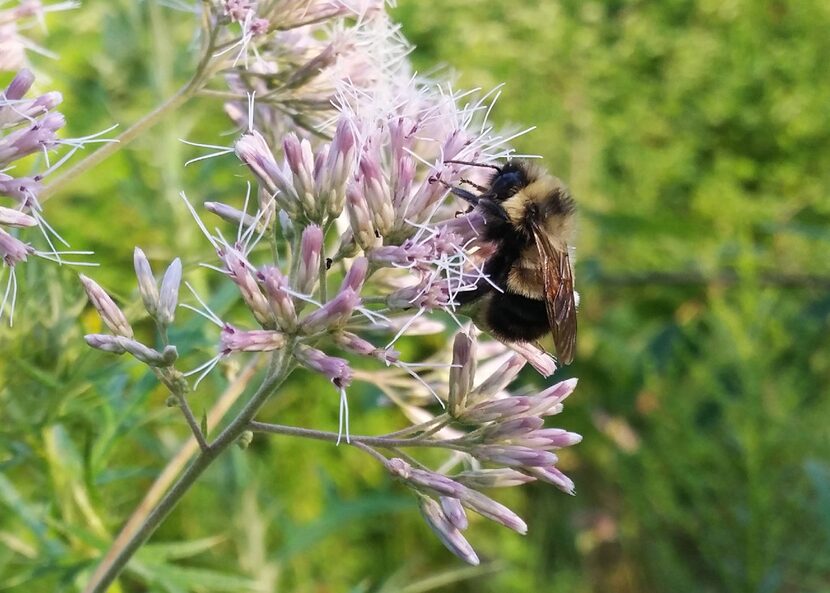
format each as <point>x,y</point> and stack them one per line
<point>560,303</point>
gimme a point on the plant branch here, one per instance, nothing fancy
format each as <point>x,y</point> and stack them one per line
<point>186,92</point>
<point>171,470</point>
<point>279,370</point>
<point>322,435</point>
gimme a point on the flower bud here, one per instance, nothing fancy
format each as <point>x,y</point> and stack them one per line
<point>500,409</point>
<point>376,194</point>
<point>449,535</point>
<point>454,512</point>
<point>16,218</point>
<point>498,381</point>
<point>257,340</point>
<point>311,248</point>
<point>12,249</point>
<point>358,345</point>
<point>340,163</point>
<point>545,404</point>
<point>229,213</point>
<point>538,358</point>
<point>356,275</point>
<point>300,160</point>
<point>240,271</point>
<point>492,478</point>
<point>337,370</point>
<point>360,219</point>
<point>553,476</point>
<point>122,345</point>
<point>282,305</point>
<point>487,507</point>
<point>462,372</point>
<point>514,455</point>
<point>110,314</point>
<point>169,293</point>
<point>147,287</point>
<point>424,480</point>
<point>19,85</point>
<point>333,314</point>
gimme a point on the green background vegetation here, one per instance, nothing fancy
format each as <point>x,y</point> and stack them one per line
<point>695,136</point>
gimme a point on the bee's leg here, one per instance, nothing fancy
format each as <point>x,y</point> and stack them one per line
<point>492,210</point>
<point>468,197</point>
<point>475,185</point>
<point>540,347</point>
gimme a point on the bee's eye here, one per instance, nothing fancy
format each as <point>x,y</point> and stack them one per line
<point>507,184</point>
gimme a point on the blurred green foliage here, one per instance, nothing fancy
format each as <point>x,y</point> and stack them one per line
<point>696,139</point>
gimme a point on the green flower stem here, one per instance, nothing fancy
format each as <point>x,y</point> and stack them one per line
<point>383,442</point>
<point>204,71</point>
<point>280,369</point>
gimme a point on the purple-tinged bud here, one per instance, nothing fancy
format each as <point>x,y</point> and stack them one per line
<point>403,184</point>
<point>110,314</point>
<point>311,249</point>
<point>500,409</point>
<point>449,535</point>
<point>553,476</point>
<point>462,372</point>
<point>229,213</point>
<point>356,275</point>
<point>19,85</point>
<point>22,189</point>
<point>106,343</point>
<point>498,381</point>
<point>11,217</point>
<point>340,164</point>
<point>35,138</point>
<point>240,271</point>
<point>122,345</point>
<point>548,402</point>
<point>147,287</point>
<point>454,512</point>
<point>169,293</point>
<point>282,305</point>
<point>425,480</point>
<point>334,313</point>
<point>300,159</point>
<point>358,345</point>
<point>512,429</point>
<point>13,250</point>
<point>538,358</point>
<point>312,68</point>
<point>376,194</point>
<point>514,455</point>
<point>503,477</point>
<point>360,219</point>
<point>548,438</point>
<point>232,339</point>
<point>253,150</point>
<point>335,369</point>
<point>487,507</point>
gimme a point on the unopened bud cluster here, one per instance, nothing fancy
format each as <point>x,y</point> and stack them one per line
<point>159,299</point>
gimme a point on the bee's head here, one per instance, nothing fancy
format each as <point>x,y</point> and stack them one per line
<point>508,180</point>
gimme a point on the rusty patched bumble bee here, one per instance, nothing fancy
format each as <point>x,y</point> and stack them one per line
<point>529,217</point>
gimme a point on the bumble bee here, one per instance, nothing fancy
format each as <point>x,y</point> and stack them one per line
<point>529,289</point>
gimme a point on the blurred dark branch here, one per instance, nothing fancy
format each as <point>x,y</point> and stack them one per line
<point>723,278</point>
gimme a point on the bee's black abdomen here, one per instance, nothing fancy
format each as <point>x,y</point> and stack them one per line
<point>516,318</point>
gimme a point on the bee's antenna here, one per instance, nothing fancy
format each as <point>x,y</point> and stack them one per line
<point>475,164</point>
